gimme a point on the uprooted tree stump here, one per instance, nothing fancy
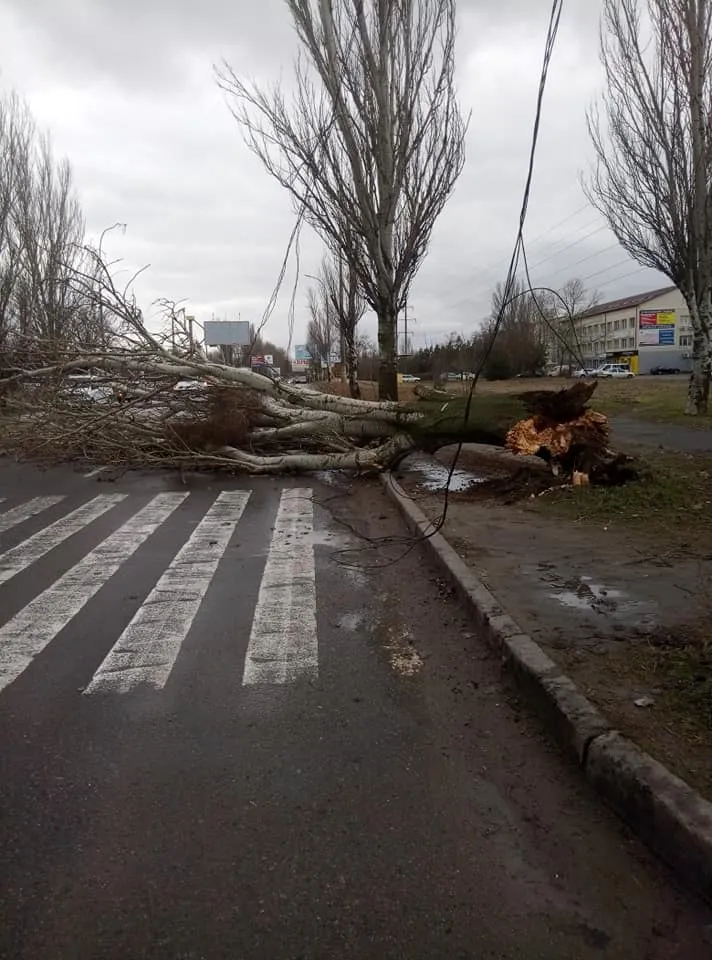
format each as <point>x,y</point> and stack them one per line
<point>555,425</point>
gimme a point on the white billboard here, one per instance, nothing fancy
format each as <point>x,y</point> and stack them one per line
<point>227,333</point>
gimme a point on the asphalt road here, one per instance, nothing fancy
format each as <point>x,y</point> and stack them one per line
<point>257,738</point>
<point>670,436</point>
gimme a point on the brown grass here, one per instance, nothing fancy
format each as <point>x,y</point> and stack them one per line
<point>650,398</point>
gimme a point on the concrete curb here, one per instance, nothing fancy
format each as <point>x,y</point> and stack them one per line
<point>672,818</point>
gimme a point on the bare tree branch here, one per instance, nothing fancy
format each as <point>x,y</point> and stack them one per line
<point>652,137</point>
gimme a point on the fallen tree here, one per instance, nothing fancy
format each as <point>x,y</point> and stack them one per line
<point>173,407</point>
<point>240,419</point>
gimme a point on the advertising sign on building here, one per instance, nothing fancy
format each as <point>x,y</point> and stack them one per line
<point>656,328</point>
<point>266,360</point>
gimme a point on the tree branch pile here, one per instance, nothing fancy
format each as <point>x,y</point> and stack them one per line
<point>237,419</point>
<point>154,399</point>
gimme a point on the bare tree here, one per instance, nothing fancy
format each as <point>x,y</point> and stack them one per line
<point>322,328</point>
<point>16,134</point>
<point>372,142</point>
<point>520,326</point>
<point>42,309</point>
<point>341,288</point>
<point>564,333</point>
<point>653,172</point>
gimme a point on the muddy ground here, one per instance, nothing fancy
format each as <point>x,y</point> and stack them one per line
<point>625,612</point>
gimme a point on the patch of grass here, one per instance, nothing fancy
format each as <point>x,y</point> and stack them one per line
<point>657,399</point>
<point>673,500</point>
<point>683,662</point>
<point>661,401</point>
<point>674,667</point>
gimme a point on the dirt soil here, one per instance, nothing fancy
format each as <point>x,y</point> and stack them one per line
<point>625,613</point>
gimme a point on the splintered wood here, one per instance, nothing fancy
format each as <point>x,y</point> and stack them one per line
<point>528,437</point>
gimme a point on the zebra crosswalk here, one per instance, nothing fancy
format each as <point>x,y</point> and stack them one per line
<point>282,646</point>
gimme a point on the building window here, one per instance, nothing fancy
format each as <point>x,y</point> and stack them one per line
<point>685,340</point>
<point>631,323</point>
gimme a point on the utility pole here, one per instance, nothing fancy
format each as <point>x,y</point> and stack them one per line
<point>406,318</point>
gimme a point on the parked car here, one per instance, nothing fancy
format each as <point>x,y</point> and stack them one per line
<point>410,378</point>
<point>582,373</point>
<point>617,371</point>
<point>85,387</point>
<point>664,371</point>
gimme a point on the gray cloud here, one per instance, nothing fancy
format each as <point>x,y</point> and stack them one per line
<point>128,92</point>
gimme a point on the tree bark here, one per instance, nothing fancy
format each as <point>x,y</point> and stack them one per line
<point>388,353</point>
<point>698,389</point>
<point>351,357</point>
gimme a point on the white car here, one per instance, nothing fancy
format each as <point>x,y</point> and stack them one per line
<point>617,371</point>
<point>582,374</point>
<point>409,378</point>
<point>84,387</point>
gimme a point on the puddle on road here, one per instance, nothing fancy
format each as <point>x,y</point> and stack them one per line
<point>434,475</point>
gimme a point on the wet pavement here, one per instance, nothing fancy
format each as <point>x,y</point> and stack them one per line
<point>432,475</point>
<point>384,797</point>
<point>671,436</point>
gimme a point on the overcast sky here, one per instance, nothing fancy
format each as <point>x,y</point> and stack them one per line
<point>128,92</point>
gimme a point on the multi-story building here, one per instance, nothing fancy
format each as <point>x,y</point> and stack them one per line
<point>647,330</point>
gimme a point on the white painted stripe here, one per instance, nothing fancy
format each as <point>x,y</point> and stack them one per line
<point>20,557</point>
<point>37,624</point>
<point>26,510</point>
<point>283,642</point>
<point>145,652</point>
